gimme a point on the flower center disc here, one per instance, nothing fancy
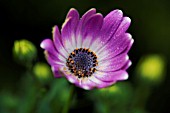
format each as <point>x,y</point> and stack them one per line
<point>82,62</point>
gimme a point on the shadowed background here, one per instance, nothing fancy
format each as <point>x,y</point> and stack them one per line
<point>33,20</point>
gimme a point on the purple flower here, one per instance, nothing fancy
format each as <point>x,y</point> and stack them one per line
<point>90,51</point>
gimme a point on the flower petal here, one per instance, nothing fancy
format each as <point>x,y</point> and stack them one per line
<point>68,30</point>
<point>127,65</point>
<point>48,45</point>
<point>106,84</point>
<point>82,21</point>
<point>119,35</point>
<point>110,25</point>
<point>113,64</point>
<point>111,76</point>
<point>71,78</point>
<point>85,83</point>
<point>54,59</point>
<point>58,43</point>
<point>50,50</point>
<point>57,71</point>
<point>113,49</point>
<point>123,27</point>
<point>99,83</point>
<point>91,29</point>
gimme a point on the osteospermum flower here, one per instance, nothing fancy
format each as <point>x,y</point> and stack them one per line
<point>90,51</point>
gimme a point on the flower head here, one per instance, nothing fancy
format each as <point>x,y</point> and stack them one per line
<point>90,51</point>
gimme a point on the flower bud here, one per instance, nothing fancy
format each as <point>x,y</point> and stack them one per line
<point>152,69</point>
<point>42,71</point>
<point>24,51</point>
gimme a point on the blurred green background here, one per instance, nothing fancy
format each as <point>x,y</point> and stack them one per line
<point>33,20</point>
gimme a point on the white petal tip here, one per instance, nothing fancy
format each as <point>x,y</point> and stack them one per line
<point>86,87</point>
<point>118,10</point>
<point>127,19</point>
<point>125,77</point>
<point>42,45</point>
<point>52,68</point>
<point>54,29</point>
<point>46,43</point>
<point>127,57</point>
<point>132,41</point>
<point>72,80</point>
<point>92,9</point>
<point>129,64</point>
<point>72,9</point>
<point>65,22</point>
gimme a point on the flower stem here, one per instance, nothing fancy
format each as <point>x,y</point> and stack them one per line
<point>68,103</point>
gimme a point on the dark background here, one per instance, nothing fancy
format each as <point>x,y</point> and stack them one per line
<point>33,20</point>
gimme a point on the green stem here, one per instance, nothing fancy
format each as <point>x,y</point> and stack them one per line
<point>68,103</point>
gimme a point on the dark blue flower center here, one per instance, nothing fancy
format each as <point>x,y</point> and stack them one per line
<point>82,62</point>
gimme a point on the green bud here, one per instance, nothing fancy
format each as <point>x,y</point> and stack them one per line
<point>152,69</point>
<point>24,51</point>
<point>42,71</point>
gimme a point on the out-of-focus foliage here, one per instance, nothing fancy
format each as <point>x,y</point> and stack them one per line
<point>8,102</point>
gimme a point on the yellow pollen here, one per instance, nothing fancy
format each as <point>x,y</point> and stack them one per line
<point>82,74</point>
<point>64,68</point>
<point>69,59</point>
